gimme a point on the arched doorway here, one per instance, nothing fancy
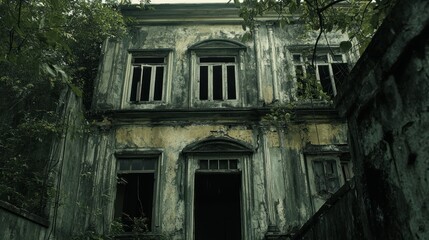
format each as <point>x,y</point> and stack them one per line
<point>217,189</point>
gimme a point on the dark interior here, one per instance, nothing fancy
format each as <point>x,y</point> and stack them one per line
<point>217,206</point>
<point>135,197</point>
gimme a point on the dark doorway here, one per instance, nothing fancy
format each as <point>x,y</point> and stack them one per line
<point>217,206</point>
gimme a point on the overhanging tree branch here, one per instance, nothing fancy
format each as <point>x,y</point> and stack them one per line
<point>330,5</point>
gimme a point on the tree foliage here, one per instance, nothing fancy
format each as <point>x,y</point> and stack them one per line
<point>359,18</point>
<point>45,46</point>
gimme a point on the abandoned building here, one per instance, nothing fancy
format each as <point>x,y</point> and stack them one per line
<point>186,97</point>
<point>196,136</point>
<point>185,149</point>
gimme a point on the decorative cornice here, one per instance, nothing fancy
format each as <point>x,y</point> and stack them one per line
<point>176,14</point>
<point>213,114</point>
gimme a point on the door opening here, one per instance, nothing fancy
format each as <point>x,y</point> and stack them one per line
<point>217,206</point>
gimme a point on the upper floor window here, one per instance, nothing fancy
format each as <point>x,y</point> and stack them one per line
<point>330,71</point>
<point>148,78</point>
<point>216,69</point>
<point>217,78</point>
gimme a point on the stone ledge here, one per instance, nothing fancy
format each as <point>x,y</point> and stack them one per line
<point>24,214</point>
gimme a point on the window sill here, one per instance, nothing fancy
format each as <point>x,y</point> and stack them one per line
<point>216,103</point>
<point>138,236</point>
<point>143,105</point>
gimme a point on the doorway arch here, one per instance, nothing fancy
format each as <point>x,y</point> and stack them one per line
<point>207,160</point>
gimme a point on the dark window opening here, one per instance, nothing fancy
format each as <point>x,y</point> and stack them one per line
<point>345,168</point>
<point>340,71</point>
<point>159,77</point>
<point>231,82</point>
<point>218,164</point>
<point>217,83</point>
<point>147,72</point>
<point>223,165</point>
<point>204,164</point>
<point>325,79</point>
<point>135,194</point>
<point>217,78</point>
<point>213,164</point>
<point>337,58</point>
<point>322,58</point>
<point>136,82</point>
<point>331,72</point>
<point>297,58</point>
<point>204,83</point>
<point>147,79</point>
<point>217,206</point>
<point>134,201</point>
<point>302,85</point>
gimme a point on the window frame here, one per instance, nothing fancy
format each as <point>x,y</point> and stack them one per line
<point>219,148</point>
<point>150,155</point>
<point>210,83</point>
<point>310,166</point>
<point>243,168</point>
<point>216,48</point>
<point>152,82</point>
<point>326,177</point>
<point>167,55</point>
<point>305,62</point>
<point>209,158</point>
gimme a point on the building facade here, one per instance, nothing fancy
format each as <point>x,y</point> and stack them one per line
<point>205,135</point>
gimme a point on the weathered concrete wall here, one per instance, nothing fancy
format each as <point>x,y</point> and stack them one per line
<point>84,175</point>
<point>266,72</point>
<point>290,197</point>
<point>386,103</point>
<point>18,224</point>
<point>85,186</point>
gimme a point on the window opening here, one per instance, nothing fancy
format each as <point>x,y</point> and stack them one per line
<point>148,77</point>
<point>218,80</point>
<point>217,83</point>
<point>345,168</point>
<point>331,72</point>
<point>325,79</point>
<point>218,164</point>
<point>325,176</point>
<point>135,193</point>
<point>340,71</point>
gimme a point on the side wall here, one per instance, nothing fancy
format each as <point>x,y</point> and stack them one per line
<point>386,103</point>
<point>84,186</point>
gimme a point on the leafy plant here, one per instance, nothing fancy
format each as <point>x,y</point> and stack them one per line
<point>45,46</point>
<point>358,18</point>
